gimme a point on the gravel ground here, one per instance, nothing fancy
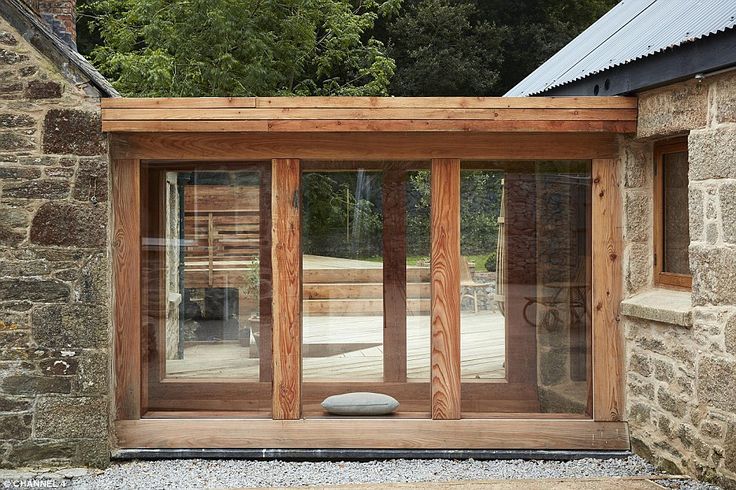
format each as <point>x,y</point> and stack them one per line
<point>224,473</point>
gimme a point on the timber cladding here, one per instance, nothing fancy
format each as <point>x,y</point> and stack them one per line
<point>290,132</point>
<point>371,114</point>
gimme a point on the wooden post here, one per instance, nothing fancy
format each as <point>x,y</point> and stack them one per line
<point>445,280</point>
<point>126,249</point>
<point>607,290</point>
<point>394,276</point>
<point>287,294</point>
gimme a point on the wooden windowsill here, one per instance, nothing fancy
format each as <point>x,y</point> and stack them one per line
<point>660,305</point>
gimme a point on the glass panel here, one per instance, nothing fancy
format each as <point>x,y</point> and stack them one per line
<point>525,287</point>
<point>365,242</point>
<point>676,218</point>
<point>206,278</point>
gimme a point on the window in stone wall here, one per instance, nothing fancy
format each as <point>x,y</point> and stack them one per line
<point>671,218</point>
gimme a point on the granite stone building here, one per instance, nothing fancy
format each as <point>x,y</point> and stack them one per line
<point>677,182</point>
<point>54,287</point>
<point>679,198</point>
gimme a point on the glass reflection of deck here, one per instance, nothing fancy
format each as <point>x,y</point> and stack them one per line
<point>351,346</point>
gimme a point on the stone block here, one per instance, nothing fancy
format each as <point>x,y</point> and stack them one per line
<point>15,173</point>
<point>91,183</point>
<point>37,189</point>
<point>730,334</point>
<point>660,305</point>
<point>71,418</point>
<point>637,212</point>
<point>59,366</point>
<point>92,283</point>
<point>11,57</point>
<point>15,427</point>
<point>93,453</point>
<point>14,404</point>
<point>717,383</point>
<point>74,325</point>
<point>663,371</point>
<point>38,290</point>
<point>729,449</point>
<point>727,194</point>
<point>8,39</point>
<point>724,103</point>
<point>672,110</point>
<point>641,365</point>
<point>62,172</point>
<point>638,266</point>
<point>10,87</point>
<point>43,89</point>
<point>714,275</point>
<point>712,153</point>
<point>15,120</point>
<point>639,414</point>
<point>16,141</point>
<point>93,372</point>
<point>75,132</point>
<point>637,160</point>
<point>696,197</point>
<point>670,403</point>
<point>30,385</point>
<point>36,451</point>
<point>70,225</point>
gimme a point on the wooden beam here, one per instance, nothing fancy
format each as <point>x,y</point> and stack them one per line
<point>286,260</point>
<point>370,125</point>
<point>394,276</point>
<point>608,401</point>
<point>377,102</point>
<point>126,209</point>
<point>365,146</point>
<point>381,433</point>
<point>445,259</point>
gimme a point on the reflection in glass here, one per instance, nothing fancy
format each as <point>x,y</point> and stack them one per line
<point>676,217</point>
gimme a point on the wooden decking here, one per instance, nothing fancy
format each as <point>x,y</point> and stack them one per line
<point>350,348</point>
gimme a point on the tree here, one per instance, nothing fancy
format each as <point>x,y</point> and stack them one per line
<point>241,47</point>
<point>444,48</point>
<point>538,29</point>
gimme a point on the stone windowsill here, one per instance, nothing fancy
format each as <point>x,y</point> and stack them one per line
<point>660,305</point>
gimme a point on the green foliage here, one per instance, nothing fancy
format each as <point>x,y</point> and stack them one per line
<point>444,48</point>
<point>241,47</point>
<point>341,215</point>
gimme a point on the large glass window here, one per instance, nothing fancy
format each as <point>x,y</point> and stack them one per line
<point>205,276</point>
<point>525,287</point>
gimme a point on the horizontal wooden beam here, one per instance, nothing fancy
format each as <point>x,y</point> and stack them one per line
<point>364,146</point>
<point>377,433</point>
<point>347,126</point>
<point>375,102</point>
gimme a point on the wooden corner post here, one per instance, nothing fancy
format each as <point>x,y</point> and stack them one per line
<point>445,284</point>
<point>607,289</point>
<point>126,250</point>
<point>286,259</point>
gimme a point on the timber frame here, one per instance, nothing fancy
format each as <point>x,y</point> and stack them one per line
<point>443,130</point>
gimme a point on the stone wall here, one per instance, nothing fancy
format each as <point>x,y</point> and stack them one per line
<point>54,286</point>
<point>681,396</point>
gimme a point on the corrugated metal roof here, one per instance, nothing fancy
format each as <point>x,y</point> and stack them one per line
<point>631,30</point>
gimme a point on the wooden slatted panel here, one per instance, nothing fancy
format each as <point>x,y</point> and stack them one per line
<point>356,114</point>
<point>286,285</point>
<point>126,282</point>
<point>607,289</point>
<point>445,308</point>
<point>376,102</point>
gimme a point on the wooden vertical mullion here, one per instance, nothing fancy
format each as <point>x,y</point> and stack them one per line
<point>394,276</point>
<point>607,289</point>
<point>266,271</point>
<point>126,249</point>
<point>445,284</point>
<point>286,289</point>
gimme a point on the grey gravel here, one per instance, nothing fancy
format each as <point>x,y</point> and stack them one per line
<point>228,473</point>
